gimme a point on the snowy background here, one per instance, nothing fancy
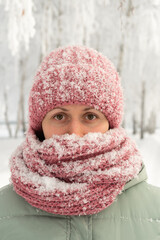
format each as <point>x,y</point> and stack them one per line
<point>126,31</point>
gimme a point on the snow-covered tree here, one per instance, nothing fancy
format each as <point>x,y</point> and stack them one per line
<point>141,58</point>
<point>66,22</point>
<point>126,31</point>
<point>21,23</point>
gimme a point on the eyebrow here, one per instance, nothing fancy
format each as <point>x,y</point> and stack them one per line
<point>86,109</point>
<point>61,109</point>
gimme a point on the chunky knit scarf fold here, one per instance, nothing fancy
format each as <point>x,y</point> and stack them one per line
<point>72,175</point>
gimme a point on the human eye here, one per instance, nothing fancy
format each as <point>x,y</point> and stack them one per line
<point>59,116</point>
<point>91,116</point>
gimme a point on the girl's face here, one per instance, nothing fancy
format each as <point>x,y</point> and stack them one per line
<point>74,118</point>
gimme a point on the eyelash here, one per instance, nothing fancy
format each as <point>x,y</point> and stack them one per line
<point>85,114</point>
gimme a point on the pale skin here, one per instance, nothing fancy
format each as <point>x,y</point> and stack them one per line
<point>74,118</point>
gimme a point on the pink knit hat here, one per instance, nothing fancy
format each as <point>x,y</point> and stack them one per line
<point>76,75</point>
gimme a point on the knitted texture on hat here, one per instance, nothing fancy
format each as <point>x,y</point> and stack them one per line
<point>72,175</point>
<point>76,75</point>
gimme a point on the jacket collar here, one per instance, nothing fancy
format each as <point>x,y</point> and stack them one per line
<point>142,176</point>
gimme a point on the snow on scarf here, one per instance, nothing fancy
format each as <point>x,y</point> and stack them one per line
<point>72,175</point>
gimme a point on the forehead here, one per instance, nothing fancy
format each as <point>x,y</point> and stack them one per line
<point>74,107</point>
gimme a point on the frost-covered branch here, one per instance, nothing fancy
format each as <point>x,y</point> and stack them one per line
<point>21,23</point>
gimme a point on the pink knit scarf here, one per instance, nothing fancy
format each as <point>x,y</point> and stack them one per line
<point>72,175</point>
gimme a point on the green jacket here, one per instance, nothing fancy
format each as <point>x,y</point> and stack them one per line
<point>135,215</point>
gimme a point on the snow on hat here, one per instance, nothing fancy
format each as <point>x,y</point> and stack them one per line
<point>76,75</point>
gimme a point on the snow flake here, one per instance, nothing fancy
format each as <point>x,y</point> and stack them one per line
<point>150,219</point>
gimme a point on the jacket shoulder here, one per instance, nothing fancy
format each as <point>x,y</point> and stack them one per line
<point>11,204</point>
<point>144,198</point>
<point>151,196</point>
<point>154,190</point>
<point>148,193</point>
<point>142,201</point>
<point>19,220</point>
